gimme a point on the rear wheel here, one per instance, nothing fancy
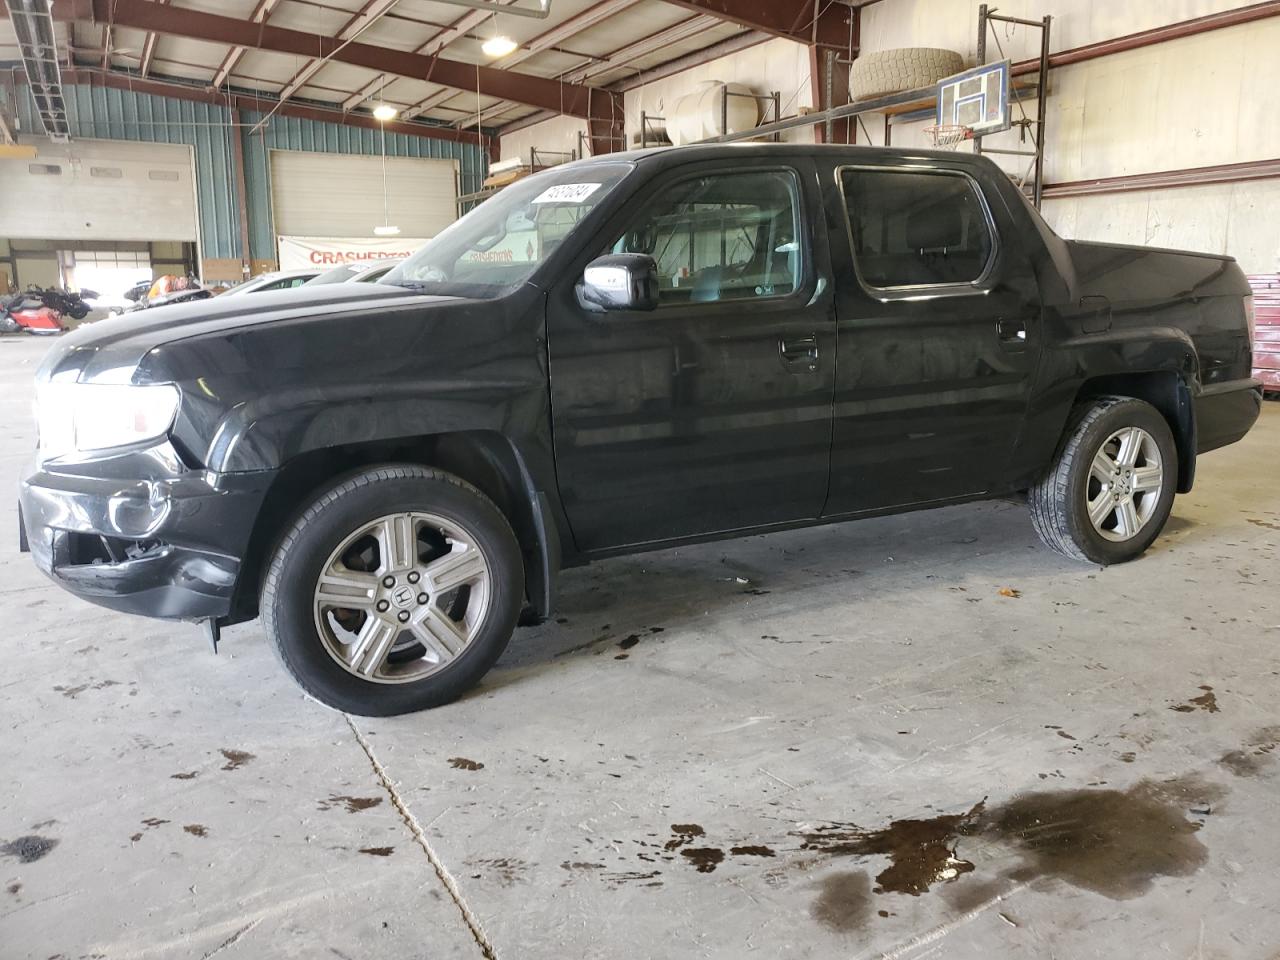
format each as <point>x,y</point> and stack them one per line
<point>395,591</point>
<point>1110,490</point>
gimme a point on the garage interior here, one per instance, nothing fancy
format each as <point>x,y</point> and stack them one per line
<point>832,742</point>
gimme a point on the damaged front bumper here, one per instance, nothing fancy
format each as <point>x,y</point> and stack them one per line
<point>141,533</point>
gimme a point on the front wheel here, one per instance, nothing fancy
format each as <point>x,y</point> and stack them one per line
<point>1108,493</point>
<point>395,591</point>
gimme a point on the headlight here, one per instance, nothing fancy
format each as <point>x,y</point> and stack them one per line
<point>92,416</point>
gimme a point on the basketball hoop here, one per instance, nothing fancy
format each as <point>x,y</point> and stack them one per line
<point>948,136</point>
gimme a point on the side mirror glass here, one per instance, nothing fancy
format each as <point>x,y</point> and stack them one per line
<point>620,281</point>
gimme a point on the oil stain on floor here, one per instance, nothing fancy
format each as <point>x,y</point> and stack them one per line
<point>28,849</point>
<point>1253,759</point>
<point>1116,843</point>
<point>1207,701</point>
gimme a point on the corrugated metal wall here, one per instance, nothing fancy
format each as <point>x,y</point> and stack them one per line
<point>109,114</point>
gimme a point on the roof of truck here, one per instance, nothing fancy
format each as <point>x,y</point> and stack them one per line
<point>718,151</point>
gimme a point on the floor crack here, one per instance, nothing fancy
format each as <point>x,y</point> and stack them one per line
<point>450,884</point>
<point>232,939</point>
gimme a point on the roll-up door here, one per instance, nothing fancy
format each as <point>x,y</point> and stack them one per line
<point>99,190</point>
<point>341,195</point>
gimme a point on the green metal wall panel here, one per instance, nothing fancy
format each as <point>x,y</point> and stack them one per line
<point>110,114</point>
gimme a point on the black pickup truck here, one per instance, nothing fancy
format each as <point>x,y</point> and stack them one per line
<point>616,355</point>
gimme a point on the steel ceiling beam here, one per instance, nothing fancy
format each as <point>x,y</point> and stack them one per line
<point>459,28</point>
<point>570,28</point>
<point>365,92</point>
<point>148,50</point>
<point>260,104</point>
<point>261,11</point>
<point>571,99</point>
<point>360,21</point>
<point>835,32</point>
<point>539,12</point>
<point>611,60</point>
<point>643,47</point>
<point>781,18</point>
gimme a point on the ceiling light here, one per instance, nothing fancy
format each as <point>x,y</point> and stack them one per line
<point>498,46</point>
<point>384,112</point>
<point>386,231</point>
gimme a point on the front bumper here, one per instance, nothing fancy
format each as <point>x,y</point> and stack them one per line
<point>1225,412</point>
<point>140,533</point>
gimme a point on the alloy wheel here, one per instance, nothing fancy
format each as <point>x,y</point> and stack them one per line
<point>1125,481</point>
<point>402,597</point>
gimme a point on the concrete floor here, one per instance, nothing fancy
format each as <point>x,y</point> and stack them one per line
<point>777,747</point>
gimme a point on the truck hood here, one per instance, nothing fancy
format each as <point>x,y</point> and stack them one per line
<point>1124,273</point>
<point>109,351</point>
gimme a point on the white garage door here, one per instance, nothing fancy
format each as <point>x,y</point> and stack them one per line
<point>337,195</point>
<point>99,190</point>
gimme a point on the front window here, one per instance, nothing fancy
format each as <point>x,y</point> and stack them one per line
<point>727,236</point>
<point>500,243</point>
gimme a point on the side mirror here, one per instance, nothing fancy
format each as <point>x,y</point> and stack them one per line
<point>620,281</point>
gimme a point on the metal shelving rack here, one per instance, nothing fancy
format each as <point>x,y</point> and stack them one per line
<point>986,16</point>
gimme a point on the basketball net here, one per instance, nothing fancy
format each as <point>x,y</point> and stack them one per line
<point>948,136</point>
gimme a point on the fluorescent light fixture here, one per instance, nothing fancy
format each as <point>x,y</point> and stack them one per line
<point>384,112</point>
<point>498,46</point>
<point>386,231</point>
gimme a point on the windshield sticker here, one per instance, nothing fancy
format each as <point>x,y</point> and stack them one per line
<point>567,193</point>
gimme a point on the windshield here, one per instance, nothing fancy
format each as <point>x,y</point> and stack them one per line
<point>504,240</point>
<point>338,274</point>
<point>245,285</point>
<point>374,274</point>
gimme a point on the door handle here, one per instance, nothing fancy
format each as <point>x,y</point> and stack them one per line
<point>799,351</point>
<point>1011,331</point>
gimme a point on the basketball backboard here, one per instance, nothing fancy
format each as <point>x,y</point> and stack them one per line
<point>977,98</point>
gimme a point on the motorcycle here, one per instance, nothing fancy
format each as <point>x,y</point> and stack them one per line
<point>39,310</point>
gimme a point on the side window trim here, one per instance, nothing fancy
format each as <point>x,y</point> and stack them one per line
<point>921,291</point>
<point>803,281</point>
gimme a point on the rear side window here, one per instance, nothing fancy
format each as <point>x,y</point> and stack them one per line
<point>916,229</point>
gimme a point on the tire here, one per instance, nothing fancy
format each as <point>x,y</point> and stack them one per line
<point>364,659</point>
<point>1060,502</point>
<point>908,68</point>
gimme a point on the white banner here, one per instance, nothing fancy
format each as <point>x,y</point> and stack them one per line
<point>303,253</point>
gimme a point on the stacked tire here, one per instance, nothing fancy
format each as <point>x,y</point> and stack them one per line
<point>909,68</point>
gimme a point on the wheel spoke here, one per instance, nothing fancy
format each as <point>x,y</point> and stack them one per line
<point>1147,479</point>
<point>1103,467</point>
<point>440,635</point>
<point>1100,508</point>
<point>1130,445</point>
<point>463,565</point>
<point>343,587</point>
<point>1127,518</point>
<point>372,645</point>
<point>399,536</point>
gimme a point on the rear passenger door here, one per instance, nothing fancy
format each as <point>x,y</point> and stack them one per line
<point>938,330</point>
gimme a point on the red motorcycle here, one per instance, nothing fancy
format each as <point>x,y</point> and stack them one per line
<point>40,311</point>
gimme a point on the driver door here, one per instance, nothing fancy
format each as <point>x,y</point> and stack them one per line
<point>713,412</point>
